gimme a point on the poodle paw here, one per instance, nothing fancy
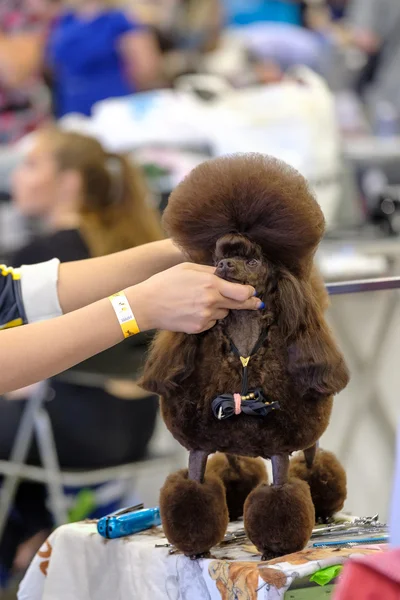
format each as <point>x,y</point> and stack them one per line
<point>194,515</point>
<point>269,555</point>
<point>198,556</point>
<point>327,481</point>
<point>279,519</point>
<point>240,475</point>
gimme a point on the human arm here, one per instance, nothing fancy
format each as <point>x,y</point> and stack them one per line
<point>215,21</point>
<point>316,15</point>
<point>86,281</point>
<point>186,298</point>
<point>141,58</point>
<point>371,22</point>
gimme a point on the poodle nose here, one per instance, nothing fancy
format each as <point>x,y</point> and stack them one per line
<point>225,265</point>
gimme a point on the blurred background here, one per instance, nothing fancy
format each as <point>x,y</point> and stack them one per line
<point>104,106</point>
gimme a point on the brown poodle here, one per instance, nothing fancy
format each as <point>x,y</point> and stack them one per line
<point>258,384</point>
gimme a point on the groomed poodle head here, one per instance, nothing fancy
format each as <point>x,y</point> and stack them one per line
<point>239,260</point>
<point>256,220</point>
<point>254,195</point>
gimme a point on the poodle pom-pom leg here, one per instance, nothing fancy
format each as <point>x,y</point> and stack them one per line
<point>194,515</point>
<point>327,480</point>
<point>279,519</point>
<point>240,475</point>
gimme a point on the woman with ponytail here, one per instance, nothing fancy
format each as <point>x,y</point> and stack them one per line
<point>73,185</point>
<point>91,203</point>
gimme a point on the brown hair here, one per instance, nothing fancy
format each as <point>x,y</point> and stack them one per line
<point>115,211</point>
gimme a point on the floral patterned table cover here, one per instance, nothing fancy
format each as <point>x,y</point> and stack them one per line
<point>75,563</point>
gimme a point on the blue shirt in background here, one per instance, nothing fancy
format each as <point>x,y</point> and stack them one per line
<point>86,62</point>
<point>246,12</point>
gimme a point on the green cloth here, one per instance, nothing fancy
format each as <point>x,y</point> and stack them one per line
<point>85,503</point>
<point>325,576</point>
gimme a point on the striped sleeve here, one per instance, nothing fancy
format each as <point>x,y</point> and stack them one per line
<point>29,294</point>
<point>12,312</point>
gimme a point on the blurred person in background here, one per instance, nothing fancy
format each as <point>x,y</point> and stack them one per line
<point>24,101</point>
<point>191,30</point>
<point>95,51</point>
<point>91,204</point>
<point>285,32</point>
<point>186,31</point>
<point>375,30</point>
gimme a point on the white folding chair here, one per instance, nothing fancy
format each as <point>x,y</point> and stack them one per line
<point>35,423</point>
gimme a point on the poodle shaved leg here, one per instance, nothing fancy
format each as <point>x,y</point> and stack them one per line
<point>280,469</point>
<point>309,455</point>
<point>193,508</point>
<point>279,518</point>
<point>197,465</point>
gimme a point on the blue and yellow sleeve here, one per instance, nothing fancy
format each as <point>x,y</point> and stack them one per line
<point>12,312</point>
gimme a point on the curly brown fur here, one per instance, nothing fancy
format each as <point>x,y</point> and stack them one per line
<point>194,515</point>
<point>298,365</point>
<point>256,195</point>
<point>234,211</point>
<point>279,519</point>
<point>327,481</point>
<point>240,475</point>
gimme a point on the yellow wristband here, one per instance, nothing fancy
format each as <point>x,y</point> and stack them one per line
<point>124,314</point>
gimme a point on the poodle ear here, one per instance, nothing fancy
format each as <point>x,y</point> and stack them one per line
<point>171,360</point>
<point>318,288</point>
<point>314,360</point>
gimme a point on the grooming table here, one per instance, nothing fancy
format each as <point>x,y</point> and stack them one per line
<point>77,563</point>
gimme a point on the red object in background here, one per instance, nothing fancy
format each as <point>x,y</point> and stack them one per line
<point>374,577</point>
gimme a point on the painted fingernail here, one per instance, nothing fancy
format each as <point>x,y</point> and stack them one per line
<point>255,293</point>
<point>262,305</point>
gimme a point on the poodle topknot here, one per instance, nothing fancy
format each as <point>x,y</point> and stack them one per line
<point>253,194</point>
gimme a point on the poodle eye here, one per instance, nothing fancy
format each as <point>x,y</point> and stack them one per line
<point>253,262</point>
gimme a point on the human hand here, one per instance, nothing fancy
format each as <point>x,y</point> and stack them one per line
<point>365,40</point>
<point>188,298</point>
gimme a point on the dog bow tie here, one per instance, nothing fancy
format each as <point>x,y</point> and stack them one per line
<point>253,403</point>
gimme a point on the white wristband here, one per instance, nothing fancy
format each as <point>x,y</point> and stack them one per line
<point>39,290</point>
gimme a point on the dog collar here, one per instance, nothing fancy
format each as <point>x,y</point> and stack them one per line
<point>250,402</point>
